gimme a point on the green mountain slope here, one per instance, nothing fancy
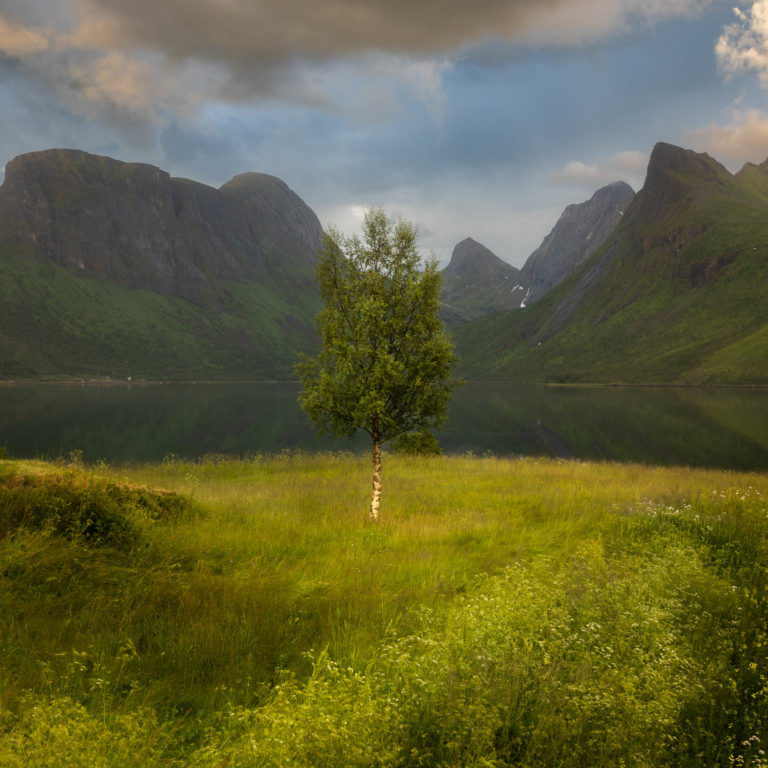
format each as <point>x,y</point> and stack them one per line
<point>114,269</point>
<point>54,324</point>
<point>677,294</point>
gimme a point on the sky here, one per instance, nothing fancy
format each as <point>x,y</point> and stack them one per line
<point>481,119</point>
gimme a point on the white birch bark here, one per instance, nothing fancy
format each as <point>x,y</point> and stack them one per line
<point>376,491</point>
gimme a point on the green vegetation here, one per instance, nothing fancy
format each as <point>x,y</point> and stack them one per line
<point>676,295</point>
<point>521,613</point>
<point>54,324</point>
<point>386,361</point>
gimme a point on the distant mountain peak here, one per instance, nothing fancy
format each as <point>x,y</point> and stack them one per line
<point>476,282</point>
<point>580,230</point>
<point>668,158</point>
<point>673,175</point>
<point>614,189</point>
<point>472,258</point>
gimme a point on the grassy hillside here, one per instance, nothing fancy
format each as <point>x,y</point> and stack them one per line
<point>677,294</point>
<point>54,324</point>
<point>114,269</point>
<point>519,613</point>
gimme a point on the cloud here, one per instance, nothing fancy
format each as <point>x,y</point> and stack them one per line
<point>115,78</point>
<point>244,31</point>
<point>627,166</point>
<point>263,48</point>
<point>743,46</point>
<point>576,22</point>
<point>17,40</point>
<point>745,139</point>
<point>422,77</point>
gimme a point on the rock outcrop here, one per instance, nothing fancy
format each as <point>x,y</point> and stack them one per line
<point>580,231</point>
<point>135,226</point>
<point>477,282</point>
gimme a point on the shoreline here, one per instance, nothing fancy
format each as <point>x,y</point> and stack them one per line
<point>83,382</point>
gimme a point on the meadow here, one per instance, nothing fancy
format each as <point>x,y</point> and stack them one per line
<point>503,612</point>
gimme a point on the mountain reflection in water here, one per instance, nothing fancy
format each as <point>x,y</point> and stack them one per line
<point>721,427</point>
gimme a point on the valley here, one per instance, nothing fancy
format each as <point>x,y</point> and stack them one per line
<point>115,270</point>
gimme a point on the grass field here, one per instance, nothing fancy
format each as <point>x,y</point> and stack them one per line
<point>245,613</point>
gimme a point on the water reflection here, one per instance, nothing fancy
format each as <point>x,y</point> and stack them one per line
<point>696,427</point>
<point>700,427</point>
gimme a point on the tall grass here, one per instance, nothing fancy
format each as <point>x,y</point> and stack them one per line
<point>528,612</point>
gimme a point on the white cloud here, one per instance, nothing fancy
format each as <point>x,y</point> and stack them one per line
<point>629,166</point>
<point>18,40</point>
<point>743,46</point>
<point>286,49</point>
<point>508,221</point>
<point>744,139</point>
<point>576,22</point>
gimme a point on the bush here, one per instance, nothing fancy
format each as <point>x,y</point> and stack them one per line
<point>77,506</point>
<point>60,733</point>
<point>416,443</point>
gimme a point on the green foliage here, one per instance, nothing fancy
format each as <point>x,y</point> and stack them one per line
<point>79,507</point>
<point>630,651</point>
<point>385,363</point>
<point>60,733</point>
<point>59,325</point>
<point>416,443</point>
<point>524,613</point>
<point>677,298</point>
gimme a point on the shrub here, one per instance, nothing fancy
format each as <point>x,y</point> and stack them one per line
<point>61,733</point>
<point>416,443</point>
<point>77,506</point>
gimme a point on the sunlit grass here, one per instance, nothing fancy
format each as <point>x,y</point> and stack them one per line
<point>274,558</point>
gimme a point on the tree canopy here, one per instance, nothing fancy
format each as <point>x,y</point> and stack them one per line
<point>385,363</point>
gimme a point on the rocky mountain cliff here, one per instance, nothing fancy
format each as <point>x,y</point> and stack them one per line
<point>210,282</point>
<point>477,282</point>
<point>134,226</point>
<point>579,232</point>
<point>675,294</point>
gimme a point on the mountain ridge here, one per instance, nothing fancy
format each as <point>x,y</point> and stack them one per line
<point>580,231</point>
<point>212,282</point>
<point>113,269</point>
<point>136,226</point>
<point>476,282</point>
<point>674,295</point>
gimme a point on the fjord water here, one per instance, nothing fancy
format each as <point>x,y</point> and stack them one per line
<point>720,427</point>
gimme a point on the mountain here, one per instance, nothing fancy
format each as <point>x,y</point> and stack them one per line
<point>117,269</point>
<point>579,232</point>
<point>676,294</point>
<point>477,282</point>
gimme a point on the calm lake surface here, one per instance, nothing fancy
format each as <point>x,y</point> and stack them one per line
<point>725,428</point>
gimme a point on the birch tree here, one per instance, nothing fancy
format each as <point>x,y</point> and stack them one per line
<point>385,362</point>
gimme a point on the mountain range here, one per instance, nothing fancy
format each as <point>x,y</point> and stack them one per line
<point>113,269</point>
<point>476,282</point>
<point>675,294</point>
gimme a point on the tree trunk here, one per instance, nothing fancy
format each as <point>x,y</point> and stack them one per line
<point>376,493</point>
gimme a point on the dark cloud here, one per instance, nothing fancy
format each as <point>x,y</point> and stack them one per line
<point>246,32</point>
<point>250,35</point>
<point>150,55</point>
